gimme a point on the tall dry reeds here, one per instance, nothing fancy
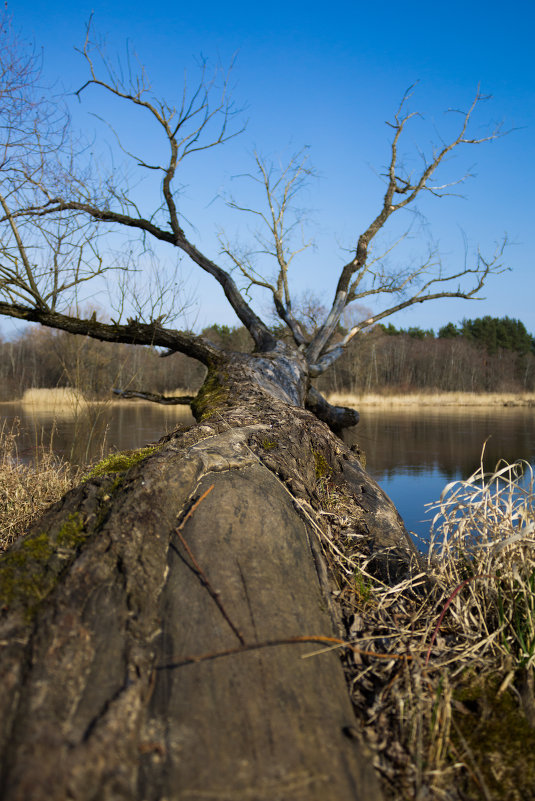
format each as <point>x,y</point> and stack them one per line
<point>441,665</point>
<point>451,400</point>
<point>26,490</point>
<point>88,418</point>
<point>483,545</point>
<point>60,399</point>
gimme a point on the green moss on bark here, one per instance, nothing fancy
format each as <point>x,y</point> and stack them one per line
<point>210,397</point>
<point>30,570</point>
<point>322,467</point>
<point>120,462</point>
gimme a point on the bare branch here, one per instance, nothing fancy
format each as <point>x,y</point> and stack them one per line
<point>483,269</point>
<point>401,192</point>
<point>280,221</point>
<point>187,128</point>
<point>134,332</point>
<point>166,400</point>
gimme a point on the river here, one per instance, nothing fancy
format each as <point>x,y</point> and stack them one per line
<point>412,453</point>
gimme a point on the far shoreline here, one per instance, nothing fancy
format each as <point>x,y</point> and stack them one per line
<point>439,400</point>
<point>73,399</point>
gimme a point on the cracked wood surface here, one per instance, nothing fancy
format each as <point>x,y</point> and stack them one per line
<point>88,712</point>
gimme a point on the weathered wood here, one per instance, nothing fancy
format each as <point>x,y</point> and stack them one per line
<point>271,720</point>
<point>92,706</point>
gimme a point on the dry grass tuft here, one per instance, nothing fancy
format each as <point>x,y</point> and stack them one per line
<point>26,490</point>
<point>442,674</point>
<point>483,543</point>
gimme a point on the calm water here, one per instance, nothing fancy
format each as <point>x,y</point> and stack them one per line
<point>85,436</point>
<point>411,453</point>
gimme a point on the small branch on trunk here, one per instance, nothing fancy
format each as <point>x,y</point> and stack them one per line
<point>203,578</point>
<point>166,400</point>
<point>336,417</point>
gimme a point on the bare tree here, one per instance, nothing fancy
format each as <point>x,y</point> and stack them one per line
<point>204,119</point>
<point>151,625</point>
<point>364,278</point>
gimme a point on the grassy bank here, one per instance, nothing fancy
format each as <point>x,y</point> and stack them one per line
<point>438,399</point>
<point>60,397</point>
<point>66,401</point>
<point>71,400</point>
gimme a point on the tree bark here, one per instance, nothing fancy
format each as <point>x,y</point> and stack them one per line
<point>150,645</point>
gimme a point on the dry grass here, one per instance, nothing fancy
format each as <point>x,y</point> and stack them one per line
<point>62,403</point>
<point>483,541</point>
<point>59,398</point>
<point>68,402</point>
<point>442,669</point>
<point>180,392</point>
<point>26,490</point>
<point>438,399</point>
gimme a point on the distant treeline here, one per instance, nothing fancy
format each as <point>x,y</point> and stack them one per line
<point>482,355</point>
<point>491,333</point>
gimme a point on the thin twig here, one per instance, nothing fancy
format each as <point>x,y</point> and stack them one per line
<point>188,660</point>
<point>200,572</point>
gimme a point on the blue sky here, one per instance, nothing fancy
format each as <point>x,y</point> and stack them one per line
<point>328,76</point>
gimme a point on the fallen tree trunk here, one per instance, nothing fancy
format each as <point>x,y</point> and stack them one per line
<point>151,650</point>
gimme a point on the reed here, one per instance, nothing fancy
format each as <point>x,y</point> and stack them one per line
<point>88,417</point>
<point>26,490</point>
<point>437,399</point>
<point>57,398</point>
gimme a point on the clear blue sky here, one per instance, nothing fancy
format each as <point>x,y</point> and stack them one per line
<point>328,76</point>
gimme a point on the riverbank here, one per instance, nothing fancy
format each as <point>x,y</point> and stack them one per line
<point>71,399</point>
<point>64,402</point>
<point>450,400</point>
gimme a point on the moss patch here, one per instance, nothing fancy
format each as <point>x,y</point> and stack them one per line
<point>24,573</point>
<point>31,569</point>
<point>120,462</point>
<point>211,395</point>
<point>71,534</point>
<point>322,467</point>
<point>269,444</point>
<point>501,742</point>
<point>363,589</point>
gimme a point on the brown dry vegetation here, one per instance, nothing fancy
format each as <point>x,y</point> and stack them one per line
<point>451,400</point>
<point>26,490</point>
<point>441,665</point>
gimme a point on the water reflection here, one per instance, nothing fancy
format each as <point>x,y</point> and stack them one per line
<point>412,453</point>
<point>92,430</point>
<point>420,440</point>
